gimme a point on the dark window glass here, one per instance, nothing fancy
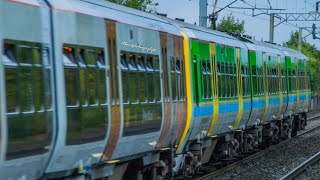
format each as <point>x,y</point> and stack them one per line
<point>39,90</point>
<point>102,87</point>
<point>26,89</point>
<point>132,81</point>
<point>28,94</point>
<point>25,55</point>
<point>151,87</point>
<point>70,76</point>
<point>142,90</point>
<point>92,86</point>
<point>11,89</point>
<point>83,90</point>
<point>141,85</point>
<point>85,83</point>
<point>37,59</point>
<point>91,58</point>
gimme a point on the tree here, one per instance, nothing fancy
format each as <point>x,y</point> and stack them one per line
<point>142,5</point>
<point>313,55</point>
<point>230,25</point>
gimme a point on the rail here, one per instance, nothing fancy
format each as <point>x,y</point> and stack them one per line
<point>302,167</point>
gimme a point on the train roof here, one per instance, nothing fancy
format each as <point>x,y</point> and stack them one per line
<point>262,47</point>
<point>280,50</point>
<point>115,12</point>
<point>206,34</point>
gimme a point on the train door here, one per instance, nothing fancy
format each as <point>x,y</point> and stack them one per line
<point>114,90</point>
<point>215,88</point>
<point>280,87</point>
<point>180,113</point>
<point>265,85</point>
<point>239,82</point>
<point>166,91</point>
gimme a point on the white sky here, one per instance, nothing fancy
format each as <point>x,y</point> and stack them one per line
<point>255,26</point>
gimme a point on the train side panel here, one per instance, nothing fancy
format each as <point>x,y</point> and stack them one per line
<point>27,100</point>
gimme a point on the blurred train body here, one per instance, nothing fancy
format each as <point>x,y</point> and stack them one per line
<point>92,89</point>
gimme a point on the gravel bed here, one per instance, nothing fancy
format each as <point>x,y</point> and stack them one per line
<point>280,161</point>
<point>311,173</point>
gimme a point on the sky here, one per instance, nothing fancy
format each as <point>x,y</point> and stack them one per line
<point>258,26</point>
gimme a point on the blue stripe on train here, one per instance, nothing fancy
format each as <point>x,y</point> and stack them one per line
<point>207,110</point>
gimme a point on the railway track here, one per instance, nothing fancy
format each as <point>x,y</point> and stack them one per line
<point>261,153</point>
<point>302,167</point>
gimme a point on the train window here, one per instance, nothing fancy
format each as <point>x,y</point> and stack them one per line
<point>102,85</point>
<point>132,62</point>
<point>123,61</point>
<point>92,79</point>
<point>149,64</point>
<point>183,79</point>
<point>11,90</point>
<point>27,113</point>
<point>39,101</point>
<point>173,79</point>
<point>141,113</point>
<point>204,82</point>
<point>141,63</point>
<point>235,82</point>
<point>179,79</point>
<point>9,54</point>
<point>219,79</point>
<point>227,80</point>
<point>91,59</point>
<point>83,94</point>
<point>101,61</point>
<point>157,78</point>
<point>255,81</point>
<point>142,86</point>
<point>69,56</point>
<point>209,80</point>
<point>25,55</point>
<point>124,78</point>
<point>37,60</point>
<point>80,58</point>
<point>85,88</point>
<point>150,79</point>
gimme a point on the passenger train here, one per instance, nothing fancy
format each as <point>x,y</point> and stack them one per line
<point>94,90</point>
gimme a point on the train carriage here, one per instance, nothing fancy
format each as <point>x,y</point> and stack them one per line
<point>266,64</point>
<point>27,117</point>
<point>94,89</point>
<point>146,79</point>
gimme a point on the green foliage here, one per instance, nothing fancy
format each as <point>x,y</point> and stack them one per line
<point>142,5</point>
<point>314,56</point>
<point>231,25</point>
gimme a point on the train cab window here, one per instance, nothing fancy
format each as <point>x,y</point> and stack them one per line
<point>86,94</point>
<point>28,98</point>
